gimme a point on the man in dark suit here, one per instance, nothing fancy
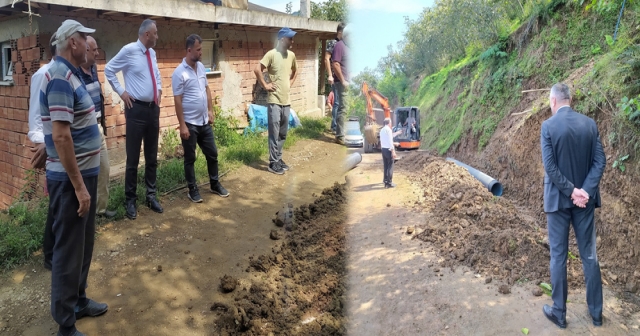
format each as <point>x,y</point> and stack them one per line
<point>574,163</point>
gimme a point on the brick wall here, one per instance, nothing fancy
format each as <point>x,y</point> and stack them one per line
<point>31,52</point>
<point>242,56</point>
<point>15,155</point>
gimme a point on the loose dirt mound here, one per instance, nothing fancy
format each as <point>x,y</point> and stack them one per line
<point>298,289</point>
<point>472,227</point>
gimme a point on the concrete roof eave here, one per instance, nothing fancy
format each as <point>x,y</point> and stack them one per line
<point>196,10</point>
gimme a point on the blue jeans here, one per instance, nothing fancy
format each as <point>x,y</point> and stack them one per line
<point>341,111</point>
<point>585,230</point>
<point>334,109</point>
<point>278,120</point>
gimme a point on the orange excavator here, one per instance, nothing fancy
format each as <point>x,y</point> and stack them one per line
<point>405,122</point>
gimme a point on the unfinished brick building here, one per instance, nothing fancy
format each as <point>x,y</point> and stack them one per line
<point>235,37</point>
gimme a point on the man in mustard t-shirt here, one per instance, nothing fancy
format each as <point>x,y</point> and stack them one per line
<point>281,67</point>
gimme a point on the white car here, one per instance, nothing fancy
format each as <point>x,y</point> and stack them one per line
<point>354,138</point>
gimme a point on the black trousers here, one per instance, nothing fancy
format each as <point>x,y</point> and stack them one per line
<point>203,137</point>
<point>143,125</point>
<point>72,248</point>
<point>47,244</point>
<point>387,160</point>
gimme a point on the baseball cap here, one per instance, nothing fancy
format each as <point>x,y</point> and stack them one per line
<point>286,32</point>
<point>70,27</point>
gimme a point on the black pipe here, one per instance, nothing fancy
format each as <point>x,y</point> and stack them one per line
<point>492,184</point>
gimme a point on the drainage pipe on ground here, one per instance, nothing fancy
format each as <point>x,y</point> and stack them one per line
<point>351,161</point>
<point>492,184</point>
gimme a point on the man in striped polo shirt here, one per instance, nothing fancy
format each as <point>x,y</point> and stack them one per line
<point>72,140</point>
<point>89,76</point>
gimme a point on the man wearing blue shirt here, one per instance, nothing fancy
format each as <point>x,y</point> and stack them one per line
<point>194,110</point>
<point>72,141</point>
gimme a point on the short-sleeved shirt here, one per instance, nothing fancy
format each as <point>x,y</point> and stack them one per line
<point>332,44</point>
<point>341,55</point>
<point>192,87</point>
<point>64,98</point>
<point>280,67</point>
<point>94,88</point>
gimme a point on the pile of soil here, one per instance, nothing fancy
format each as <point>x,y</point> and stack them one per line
<point>298,289</point>
<point>469,226</point>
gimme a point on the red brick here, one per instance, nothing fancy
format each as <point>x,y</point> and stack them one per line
<point>111,120</point>
<point>33,41</point>
<point>120,119</point>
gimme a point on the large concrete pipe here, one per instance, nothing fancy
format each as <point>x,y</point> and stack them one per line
<point>351,161</point>
<point>492,184</point>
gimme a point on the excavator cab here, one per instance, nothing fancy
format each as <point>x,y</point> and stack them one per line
<point>407,121</point>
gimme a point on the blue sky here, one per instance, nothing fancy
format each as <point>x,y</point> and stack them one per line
<point>374,25</point>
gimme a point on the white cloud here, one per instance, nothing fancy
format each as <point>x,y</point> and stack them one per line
<point>402,6</point>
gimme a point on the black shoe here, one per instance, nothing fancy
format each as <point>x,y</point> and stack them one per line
<point>194,195</point>
<point>218,189</point>
<point>107,214</point>
<point>340,141</point>
<point>390,185</point>
<point>47,264</point>
<point>548,313</point>
<point>92,309</point>
<point>284,166</point>
<point>74,332</point>
<point>130,210</point>
<point>275,168</point>
<point>597,321</point>
<point>154,205</point>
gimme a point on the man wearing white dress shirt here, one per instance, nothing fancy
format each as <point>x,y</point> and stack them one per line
<point>36,135</point>
<point>141,97</point>
<point>194,110</point>
<point>388,152</point>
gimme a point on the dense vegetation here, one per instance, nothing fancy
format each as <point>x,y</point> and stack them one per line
<point>465,63</point>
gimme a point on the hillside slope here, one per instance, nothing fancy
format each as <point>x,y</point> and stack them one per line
<point>475,110</point>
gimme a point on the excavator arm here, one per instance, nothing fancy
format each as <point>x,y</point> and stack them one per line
<point>377,96</point>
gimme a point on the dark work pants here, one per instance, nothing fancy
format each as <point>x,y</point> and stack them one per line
<point>387,160</point>
<point>585,230</point>
<point>203,136</point>
<point>143,125</point>
<point>278,120</point>
<point>47,244</point>
<point>72,249</point>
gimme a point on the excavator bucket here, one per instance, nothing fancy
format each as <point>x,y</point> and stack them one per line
<point>370,133</point>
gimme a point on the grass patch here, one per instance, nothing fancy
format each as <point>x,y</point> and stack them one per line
<point>22,225</point>
<point>21,231</point>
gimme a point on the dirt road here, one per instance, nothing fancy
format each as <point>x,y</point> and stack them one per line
<point>194,245</point>
<point>397,285</point>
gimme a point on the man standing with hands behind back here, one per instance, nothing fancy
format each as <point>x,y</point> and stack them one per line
<point>137,61</point>
<point>573,163</point>
<point>281,65</point>
<point>194,110</point>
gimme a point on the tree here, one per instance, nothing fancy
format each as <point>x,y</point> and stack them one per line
<point>330,10</point>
